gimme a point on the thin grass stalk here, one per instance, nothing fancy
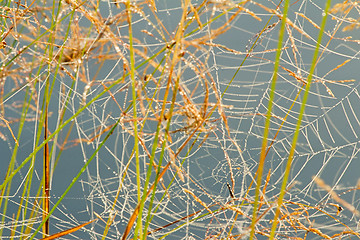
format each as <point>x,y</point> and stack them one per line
<point>179,35</point>
<point>298,125</point>
<point>27,185</point>
<point>151,163</point>
<point>23,205</point>
<point>136,137</point>
<point>36,210</point>
<point>6,191</point>
<point>268,118</point>
<point>8,178</point>
<point>159,164</point>
<point>66,101</point>
<point>41,126</point>
<point>38,129</point>
<point>154,147</point>
<point>13,157</point>
<point>47,97</point>
<point>46,165</point>
<point>46,172</point>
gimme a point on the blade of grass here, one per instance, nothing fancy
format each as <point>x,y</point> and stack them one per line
<point>298,125</point>
<point>138,228</point>
<point>268,118</point>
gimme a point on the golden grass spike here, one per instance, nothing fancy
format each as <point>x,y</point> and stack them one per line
<point>351,27</point>
<point>339,7</point>
<point>266,184</point>
<point>338,66</point>
<point>228,160</point>
<point>235,209</point>
<point>196,15</point>
<point>291,73</point>
<point>309,20</point>
<point>288,21</point>
<point>8,126</point>
<point>318,232</point>
<point>270,10</point>
<point>223,47</point>
<point>328,90</point>
<point>66,232</point>
<point>173,163</point>
<point>294,49</point>
<point>152,4</point>
<point>250,13</point>
<point>198,199</point>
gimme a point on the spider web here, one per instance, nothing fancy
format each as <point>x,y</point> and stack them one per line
<point>217,124</point>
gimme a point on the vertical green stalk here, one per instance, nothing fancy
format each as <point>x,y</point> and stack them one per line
<point>46,181</point>
<point>298,125</point>
<point>268,117</point>
<point>136,139</point>
<point>178,37</point>
<point>47,96</point>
